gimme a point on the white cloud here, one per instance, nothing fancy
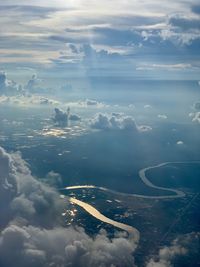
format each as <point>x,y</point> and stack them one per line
<point>147,106</point>
<point>144,128</point>
<point>116,121</point>
<point>113,122</point>
<point>169,67</point>
<point>195,116</point>
<point>88,103</point>
<point>162,116</point>
<point>180,143</point>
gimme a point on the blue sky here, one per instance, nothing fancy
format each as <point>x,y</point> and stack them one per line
<point>139,39</point>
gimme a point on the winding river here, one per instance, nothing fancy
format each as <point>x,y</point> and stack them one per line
<point>134,234</point>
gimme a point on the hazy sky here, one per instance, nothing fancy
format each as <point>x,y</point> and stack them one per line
<point>133,38</point>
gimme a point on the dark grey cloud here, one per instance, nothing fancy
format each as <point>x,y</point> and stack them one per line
<point>117,121</point>
<point>33,232</point>
<point>53,179</point>
<point>185,23</point>
<point>61,118</point>
<point>196,9</point>
<point>112,36</point>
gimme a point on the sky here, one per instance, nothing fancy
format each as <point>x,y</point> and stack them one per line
<point>83,95</point>
<point>139,39</point>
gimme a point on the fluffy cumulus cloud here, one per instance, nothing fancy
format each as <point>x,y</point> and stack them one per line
<point>184,248</point>
<point>61,118</point>
<point>33,232</point>
<point>116,121</point>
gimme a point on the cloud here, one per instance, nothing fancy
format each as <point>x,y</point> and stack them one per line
<point>53,179</point>
<point>181,247</point>
<point>27,99</point>
<point>113,122</point>
<point>185,23</point>
<point>168,67</point>
<point>144,128</point>
<point>195,116</point>
<point>180,143</point>
<point>196,9</point>
<point>74,117</point>
<point>29,11</point>
<point>62,118</point>
<point>197,105</point>
<point>13,93</point>
<point>33,232</point>
<point>33,84</point>
<point>77,36</point>
<point>88,103</point>
<point>116,121</point>
<point>147,106</point>
<point>8,87</point>
<point>31,246</point>
<point>162,116</point>
<point>24,194</point>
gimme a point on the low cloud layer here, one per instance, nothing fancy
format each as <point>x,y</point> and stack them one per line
<point>24,100</point>
<point>33,232</point>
